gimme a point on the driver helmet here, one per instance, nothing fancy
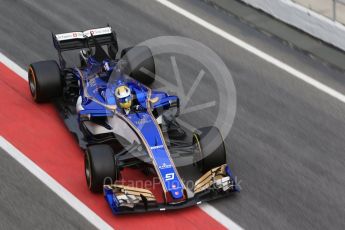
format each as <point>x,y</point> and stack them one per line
<point>124,96</point>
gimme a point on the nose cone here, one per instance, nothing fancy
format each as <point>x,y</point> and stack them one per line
<point>176,194</point>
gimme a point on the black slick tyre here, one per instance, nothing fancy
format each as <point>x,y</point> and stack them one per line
<point>100,167</point>
<point>44,81</point>
<point>209,148</point>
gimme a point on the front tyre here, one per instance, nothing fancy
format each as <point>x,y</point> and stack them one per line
<point>44,81</point>
<point>100,167</point>
<point>209,148</point>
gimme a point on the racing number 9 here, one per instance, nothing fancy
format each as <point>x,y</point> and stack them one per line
<point>169,176</point>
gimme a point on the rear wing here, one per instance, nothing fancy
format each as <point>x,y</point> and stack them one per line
<point>80,40</point>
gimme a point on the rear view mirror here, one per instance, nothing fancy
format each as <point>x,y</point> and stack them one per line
<point>167,103</point>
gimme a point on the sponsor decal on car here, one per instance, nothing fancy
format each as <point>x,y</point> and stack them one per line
<point>81,35</point>
<point>165,166</point>
<point>157,147</point>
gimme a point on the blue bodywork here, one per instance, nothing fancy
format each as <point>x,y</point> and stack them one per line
<point>98,99</point>
<point>159,152</point>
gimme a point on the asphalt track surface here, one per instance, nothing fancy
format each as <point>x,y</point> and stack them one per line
<point>287,142</point>
<point>19,188</point>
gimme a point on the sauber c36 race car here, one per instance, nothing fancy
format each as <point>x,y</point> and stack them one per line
<point>121,123</point>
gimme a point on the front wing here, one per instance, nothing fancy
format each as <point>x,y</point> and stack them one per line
<point>214,184</point>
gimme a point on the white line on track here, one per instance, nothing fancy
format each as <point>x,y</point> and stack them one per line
<point>294,72</point>
<point>63,193</point>
<point>69,198</point>
<point>220,217</point>
<point>213,212</point>
<point>13,66</point>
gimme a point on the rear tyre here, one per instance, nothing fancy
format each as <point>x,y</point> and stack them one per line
<point>100,167</point>
<point>139,59</point>
<point>210,149</point>
<point>44,80</point>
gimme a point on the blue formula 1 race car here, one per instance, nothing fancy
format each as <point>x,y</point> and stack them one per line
<point>121,123</point>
